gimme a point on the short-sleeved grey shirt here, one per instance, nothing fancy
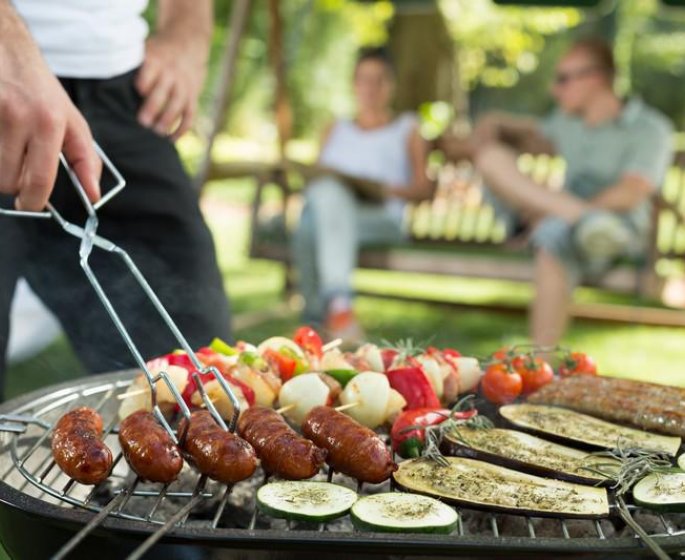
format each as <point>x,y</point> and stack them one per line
<point>639,141</point>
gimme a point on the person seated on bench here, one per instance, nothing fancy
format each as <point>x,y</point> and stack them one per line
<point>375,145</point>
<point>616,152</point>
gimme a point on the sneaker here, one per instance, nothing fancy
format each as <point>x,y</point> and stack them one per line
<point>344,325</point>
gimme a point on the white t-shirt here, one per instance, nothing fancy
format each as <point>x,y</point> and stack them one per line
<point>87,38</point>
<point>380,154</point>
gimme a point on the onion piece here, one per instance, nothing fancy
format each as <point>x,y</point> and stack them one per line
<point>220,399</point>
<point>431,367</point>
<point>469,373</point>
<point>263,391</point>
<point>371,391</point>
<point>372,354</point>
<point>278,342</point>
<point>302,393</point>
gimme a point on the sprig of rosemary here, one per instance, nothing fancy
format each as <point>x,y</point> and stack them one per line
<point>434,435</point>
<point>635,464</point>
<point>407,347</point>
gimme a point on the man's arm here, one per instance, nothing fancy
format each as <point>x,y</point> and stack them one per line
<point>648,155</point>
<point>175,66</point>
<point>521,133</point>
<point>625,195</point>
<point>37,120</point>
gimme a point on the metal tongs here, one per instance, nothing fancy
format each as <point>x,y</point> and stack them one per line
<point>90,239</point>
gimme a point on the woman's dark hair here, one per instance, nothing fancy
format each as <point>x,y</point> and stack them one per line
<point>377,54</point>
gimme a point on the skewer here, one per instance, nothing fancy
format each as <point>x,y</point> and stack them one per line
<point>285,409</point>
<point>332,344</point>
<point>131,394</point>
<point>347,406</point>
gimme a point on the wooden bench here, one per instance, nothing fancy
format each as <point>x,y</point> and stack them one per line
<point>456,234</point>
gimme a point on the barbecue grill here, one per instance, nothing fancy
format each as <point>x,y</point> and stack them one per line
<point>40,508</point>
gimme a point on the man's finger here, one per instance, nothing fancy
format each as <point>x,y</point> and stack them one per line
<point>80,154</point>
<point>185,124</point>
<point>155,102</point>
<point>13,143</point>
<point>172,111</point>
<point>146,77</point>
<point>40,169</point>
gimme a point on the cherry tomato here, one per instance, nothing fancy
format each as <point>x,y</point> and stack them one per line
<point>504,354</point>
<point>501,384</point>
<point>309,340</point>
<point>535,372</point>
<point>577,363</point>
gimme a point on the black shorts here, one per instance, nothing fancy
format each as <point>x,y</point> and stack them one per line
<point>156,219</point>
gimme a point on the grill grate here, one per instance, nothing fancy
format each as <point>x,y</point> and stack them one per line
<point>193,502</point>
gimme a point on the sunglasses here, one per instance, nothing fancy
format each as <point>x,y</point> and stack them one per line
<point>563,78</point>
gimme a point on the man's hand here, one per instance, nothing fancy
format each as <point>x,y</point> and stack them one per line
<point>170,80</point>
<point>37,120</point>
<point>175,66</point>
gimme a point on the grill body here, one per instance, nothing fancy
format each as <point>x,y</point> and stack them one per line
<point>40,509</point>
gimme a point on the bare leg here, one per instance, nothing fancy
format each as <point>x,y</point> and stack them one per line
<point>498,166</point>
<point>549,310</point>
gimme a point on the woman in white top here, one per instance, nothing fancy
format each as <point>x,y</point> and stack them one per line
<point>375,145</point>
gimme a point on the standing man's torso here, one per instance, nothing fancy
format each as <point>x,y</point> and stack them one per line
<point>87,38</point>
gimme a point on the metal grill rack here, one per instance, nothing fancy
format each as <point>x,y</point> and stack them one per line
<point>206,509</point>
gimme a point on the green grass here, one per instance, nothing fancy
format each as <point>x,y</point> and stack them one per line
<point>648,353</point>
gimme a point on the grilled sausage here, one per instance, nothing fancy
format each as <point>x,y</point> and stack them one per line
<point>149,448</point>
<point>353,449</point>
<point>77,448</point>
<point>282,450</point>
<point>219,454</point>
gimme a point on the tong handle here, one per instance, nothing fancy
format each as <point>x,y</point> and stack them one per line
<point>91,208</point>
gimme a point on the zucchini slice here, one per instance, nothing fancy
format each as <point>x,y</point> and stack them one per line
<point>581,429</point>
<point>681,461</point>
<point>521,451</point>
<point>397,512</point>
<point>305,500</point>
<point>661,491</point>
<point>481,485</point>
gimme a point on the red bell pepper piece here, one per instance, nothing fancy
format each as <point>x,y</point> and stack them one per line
<point>309,340</point>
<point>414,386</point>
<point>408,432</point>
<point>181,360</point>
<point>284,365</point>
<point>208,357</point>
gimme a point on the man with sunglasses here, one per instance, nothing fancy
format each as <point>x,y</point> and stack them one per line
<point>616,153</point>
<point>74,70</point>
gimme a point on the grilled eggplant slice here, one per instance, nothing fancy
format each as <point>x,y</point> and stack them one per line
<point>521,451</point>
<point>661,491</point>
<point>583,430</point>
<point>481,485</point>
